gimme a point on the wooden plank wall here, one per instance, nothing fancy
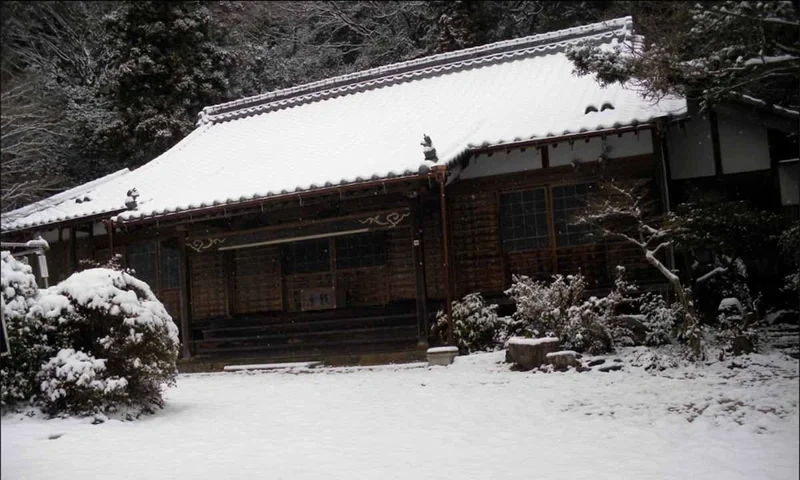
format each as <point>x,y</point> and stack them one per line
<point>294,284</point>
<point>477,253</point>
<point>208,285</point>
<point>257,280</point>
<point>258,284</point>
<point>364,286</point>
<point>432,246</point>
<point>480,263</point>
<point>171,298</point>
<point>400,276</point>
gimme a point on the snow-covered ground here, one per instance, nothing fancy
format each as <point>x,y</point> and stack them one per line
<point>474,419</point>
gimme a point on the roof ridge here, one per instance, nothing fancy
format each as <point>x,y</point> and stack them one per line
<point>248,105</point>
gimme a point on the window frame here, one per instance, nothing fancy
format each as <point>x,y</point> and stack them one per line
<point>518,243</point>
<point>153,246</point>
<point>289,261</point>
<point>582,231</point>
<point>378,258</point>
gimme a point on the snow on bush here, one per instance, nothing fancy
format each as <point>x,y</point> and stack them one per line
<point>476,326</point>
<point>116,343</point>
<point>728,279</point>
<point>75,382</point>
<point>27,332</point>
<point>736,328</point>
<point>558,310</point>
<point>116,317</point>
<point>659,319</point>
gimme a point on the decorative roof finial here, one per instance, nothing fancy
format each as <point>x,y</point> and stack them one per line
<point>428,150</point>
<point>130,200</point>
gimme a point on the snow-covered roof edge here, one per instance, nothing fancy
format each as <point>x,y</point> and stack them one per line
<point>405,71</point>
<point>8,218</point>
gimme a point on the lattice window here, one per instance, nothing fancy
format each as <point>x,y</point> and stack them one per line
<point>568,201</point>
<point>170,267</point>
<point>364,250</point>
<point>306,257</point>
<point>142,259</point>
<point>523,220</point>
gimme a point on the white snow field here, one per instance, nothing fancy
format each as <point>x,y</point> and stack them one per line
<point>473,419</point>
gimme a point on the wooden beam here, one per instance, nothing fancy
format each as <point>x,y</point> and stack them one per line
<point>332,260</point>
<point>712,118</point>
<point>73,250</point>
<point>551,227</point>
<point>295,239</point>
<point>186,333</point>
<point>544,151</point>
<point>418,255</point>
<point>662,158</point>
<point>230,283</point>
<point>440,172</point>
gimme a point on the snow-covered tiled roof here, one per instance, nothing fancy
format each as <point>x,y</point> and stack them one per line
<point>368,126</point>
<point>77,202</point>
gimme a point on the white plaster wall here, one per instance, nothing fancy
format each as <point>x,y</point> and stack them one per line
<point>630,144</point>
<point>99,229</point>
<point>789,175</point>
<point>619,146</point>
<point>690,151</point>
<point>513,160</point>
<point>51,236</point>
<point>519,159</point>
<point>743,144</point>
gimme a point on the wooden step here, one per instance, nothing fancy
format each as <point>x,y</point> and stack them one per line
<point>306,351</point>
<point>328,325</point>
<point>403,330</point>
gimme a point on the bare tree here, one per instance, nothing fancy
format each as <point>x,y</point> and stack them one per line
<point>626,211</point>
<point>29,139</point>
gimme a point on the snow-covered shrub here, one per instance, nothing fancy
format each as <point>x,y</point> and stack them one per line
<point>111,315</point>
<point>790,246</point>
<point>736,329</point>
<point>558,309</point>
<point>75,382</point>
<point>659,319</point>
<point>27,332</point>
<point>728,279</point>
<point>585,328</point>
<point>476,326</point>
<point>541,306</point>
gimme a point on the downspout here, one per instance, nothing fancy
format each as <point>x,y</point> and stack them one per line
<point>440,173</point>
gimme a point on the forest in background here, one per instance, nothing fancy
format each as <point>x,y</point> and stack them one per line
<point>92,87</point>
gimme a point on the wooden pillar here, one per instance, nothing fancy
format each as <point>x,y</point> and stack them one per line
<point>551,227</point>
<point>418,255</point>
<point>714,124</point>
<point>230,283</point>
<point>186,333</point>
<point>660,153</point>
<point>440,171</point>
<point>73,250</point>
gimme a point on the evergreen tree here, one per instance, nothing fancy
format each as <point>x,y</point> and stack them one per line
<point>169,67</point>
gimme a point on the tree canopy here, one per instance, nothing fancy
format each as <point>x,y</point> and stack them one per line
<point>707,51</point>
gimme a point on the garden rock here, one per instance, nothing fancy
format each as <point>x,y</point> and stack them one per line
<point>563,360</point>
<point>610,368</point>
<point>597,362</point>
<point>530,353</point>
<point>741,345</point>
<point>632,323</point>
<point>442,356</point>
